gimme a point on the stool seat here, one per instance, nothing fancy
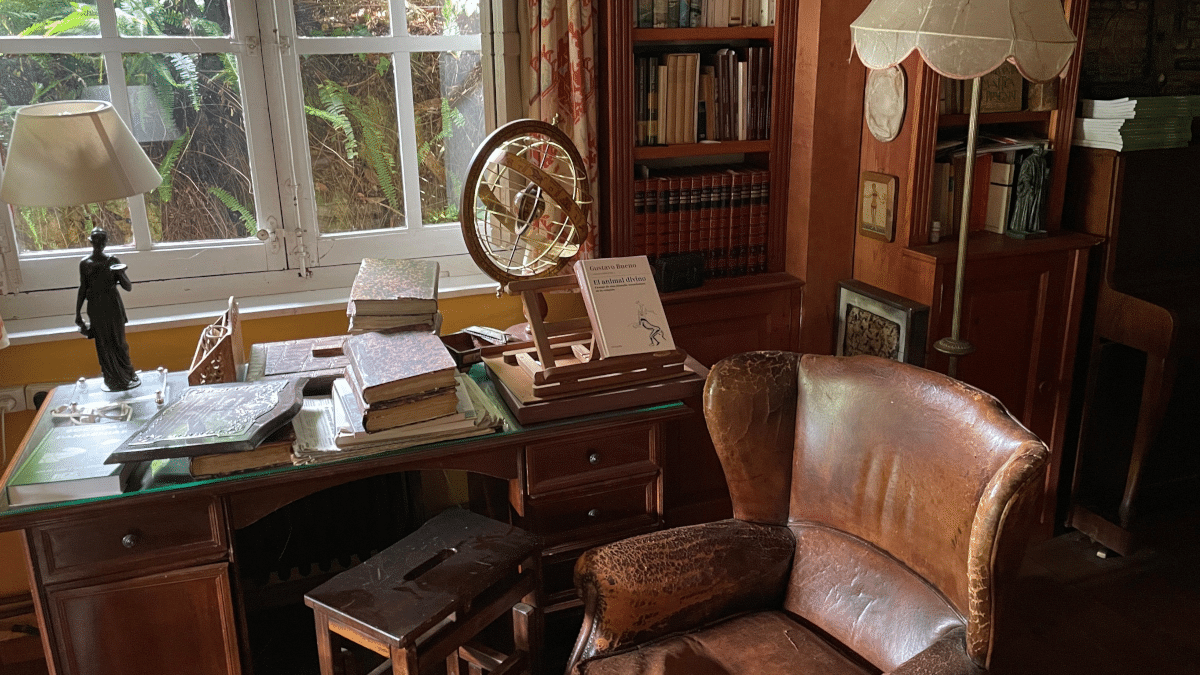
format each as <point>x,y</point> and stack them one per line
<point>422,599</point>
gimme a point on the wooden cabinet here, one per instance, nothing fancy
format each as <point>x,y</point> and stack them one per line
<point>727,315</point>
<point>1022,299</point>
<point>161,573</point>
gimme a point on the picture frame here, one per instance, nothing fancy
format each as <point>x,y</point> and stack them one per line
<point>876,322</point>
<point>877,206</point>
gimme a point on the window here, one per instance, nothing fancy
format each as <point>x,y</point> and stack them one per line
<point>294,138</point>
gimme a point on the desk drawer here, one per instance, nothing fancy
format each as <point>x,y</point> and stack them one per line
<point>186,531</point>
<point>551,466</point>
<point>615,507</point>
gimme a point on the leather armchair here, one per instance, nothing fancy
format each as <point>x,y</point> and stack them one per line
<point>878,508</point>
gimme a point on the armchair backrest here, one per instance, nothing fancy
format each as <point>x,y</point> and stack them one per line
<point>906,477</point>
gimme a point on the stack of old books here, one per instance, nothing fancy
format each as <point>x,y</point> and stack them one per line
<point>1135,123</point>
<point>401,389</point>
<point>391,294</point>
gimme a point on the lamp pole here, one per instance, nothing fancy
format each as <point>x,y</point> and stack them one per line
<point>954,346</point>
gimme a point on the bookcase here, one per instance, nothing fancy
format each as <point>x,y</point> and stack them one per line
<point>1022,298</point>
<point>759,309</point>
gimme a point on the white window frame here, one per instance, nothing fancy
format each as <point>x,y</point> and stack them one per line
<point>292,257</point>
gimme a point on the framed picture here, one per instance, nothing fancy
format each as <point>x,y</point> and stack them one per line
<point>876,322</point>
<point>877,210</point>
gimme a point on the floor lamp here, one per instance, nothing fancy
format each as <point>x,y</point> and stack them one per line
<point>965,40</point>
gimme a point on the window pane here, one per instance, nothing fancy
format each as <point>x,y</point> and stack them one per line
<point>448,102</point>
<point>337,18</point>
<point>187,113</point>
<point>350,108</point>
<point>40,78</point>
<point>209,18</point>
<point>47,18</point>
<point>449,17</point>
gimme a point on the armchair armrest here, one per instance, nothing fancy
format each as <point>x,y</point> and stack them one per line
<point>666,582</point>
<point>947,656</point>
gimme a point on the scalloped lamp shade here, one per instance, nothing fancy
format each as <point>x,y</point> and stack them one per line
<point>67,153</point>
<point>964,39</point>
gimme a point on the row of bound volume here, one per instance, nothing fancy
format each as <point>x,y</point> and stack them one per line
<point>692,97</point>
<point>722,213</point>
<point>703,13</point>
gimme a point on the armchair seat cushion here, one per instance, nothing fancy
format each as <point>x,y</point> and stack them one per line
<point>762,643</point>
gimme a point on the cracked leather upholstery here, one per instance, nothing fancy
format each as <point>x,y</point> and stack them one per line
<point>893,501</point>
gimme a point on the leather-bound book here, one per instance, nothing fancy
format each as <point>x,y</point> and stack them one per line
<point>394,364</point>
<point>385,286</point>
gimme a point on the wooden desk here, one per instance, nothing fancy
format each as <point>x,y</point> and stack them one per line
<point>146,582</point>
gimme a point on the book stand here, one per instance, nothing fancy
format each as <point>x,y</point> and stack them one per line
<point>561,359</point>
<point>219,353</point>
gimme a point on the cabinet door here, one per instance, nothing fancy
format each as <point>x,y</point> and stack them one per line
<point>172,622</point>
<point>1020,313</point>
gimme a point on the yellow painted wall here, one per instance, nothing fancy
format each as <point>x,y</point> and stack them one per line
<point>66,360</point>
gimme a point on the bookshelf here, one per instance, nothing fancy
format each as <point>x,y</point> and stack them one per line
<point>726,315</point>
<point>1022,298</point>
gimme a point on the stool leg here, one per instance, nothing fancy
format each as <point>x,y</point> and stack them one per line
<point>404,661</point>
<point>527,632</point>
<point>324,643</point>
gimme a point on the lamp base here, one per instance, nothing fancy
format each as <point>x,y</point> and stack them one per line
<point>953,346</point>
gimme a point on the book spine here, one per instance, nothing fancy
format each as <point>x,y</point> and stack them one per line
<point>645,14</point>
<point>672,14</point>
<point>705,217</point>
<point>721,225</point>
<point>685,13</point>
<point>758,222</point>
<point>660,13</point>
<point>652,102</point>
<point>639,216</point>
<point>664,209</point>
<point>675,209</point>
<point>693,221</point>
<point>641,108</point>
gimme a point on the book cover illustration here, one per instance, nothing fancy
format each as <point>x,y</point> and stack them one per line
<point>214,418</point>
<point>388,285</point>
<point>623,304</point>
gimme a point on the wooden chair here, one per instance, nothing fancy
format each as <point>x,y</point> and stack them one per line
<point>1148,299</point>
<point>422,600</point>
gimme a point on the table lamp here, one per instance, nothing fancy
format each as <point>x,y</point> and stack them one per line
<point>964,40</point>
<point>67,153</point>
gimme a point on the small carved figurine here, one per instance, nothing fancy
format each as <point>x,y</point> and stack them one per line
<point>99,276</point>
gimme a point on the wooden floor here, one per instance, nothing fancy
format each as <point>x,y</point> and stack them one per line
<point>1076,613</point>
<point>1080,613</point>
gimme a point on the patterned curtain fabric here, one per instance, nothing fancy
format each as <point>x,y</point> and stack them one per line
<point>561,52</point>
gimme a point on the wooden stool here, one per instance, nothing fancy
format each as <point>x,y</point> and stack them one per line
<point>421,601</point>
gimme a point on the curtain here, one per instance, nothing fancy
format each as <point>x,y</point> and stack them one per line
<point>560,50</point>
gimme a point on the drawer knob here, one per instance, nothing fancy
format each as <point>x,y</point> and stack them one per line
<point>130,540</point>
<point>594,513</point>
<point>593,458</point>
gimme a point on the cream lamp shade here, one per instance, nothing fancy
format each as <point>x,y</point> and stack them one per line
<point>67,153</point>
<point>964,39</point>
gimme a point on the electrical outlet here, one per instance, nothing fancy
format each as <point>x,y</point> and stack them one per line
<point>32,390</point>
<point>12,399</point>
